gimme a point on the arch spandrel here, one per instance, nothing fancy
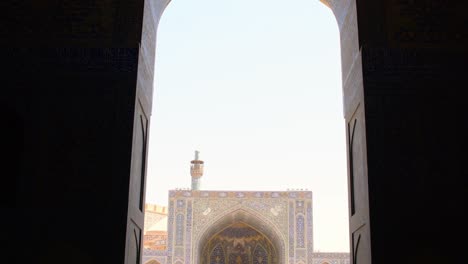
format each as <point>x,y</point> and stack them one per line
<point>208,211</point>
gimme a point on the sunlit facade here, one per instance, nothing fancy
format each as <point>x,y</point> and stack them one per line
<point>211,227</point>
<point>233,227</point>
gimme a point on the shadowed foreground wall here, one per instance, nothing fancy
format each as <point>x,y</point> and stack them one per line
<point>77,74</point>
<point>403,77</point>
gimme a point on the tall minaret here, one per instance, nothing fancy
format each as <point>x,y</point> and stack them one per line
<point>196,170</point>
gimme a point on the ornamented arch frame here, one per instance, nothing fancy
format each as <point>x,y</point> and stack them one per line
<point>239,213</point>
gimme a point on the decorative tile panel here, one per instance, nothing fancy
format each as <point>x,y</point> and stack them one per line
<point>300,232</point>
<point>291,232</point>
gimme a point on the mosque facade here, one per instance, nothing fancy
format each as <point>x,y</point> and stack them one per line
<point>234,227</point>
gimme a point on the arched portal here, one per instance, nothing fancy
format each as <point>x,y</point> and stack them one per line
<point>240,237</point>
<point>152,262</point>
<point>239,243</point>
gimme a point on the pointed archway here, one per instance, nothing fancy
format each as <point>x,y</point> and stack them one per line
<point>240,236</point>
<point>152,262</point>
<point>239,243</point>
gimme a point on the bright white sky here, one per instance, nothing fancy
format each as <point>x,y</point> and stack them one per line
<point>255,86</point>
